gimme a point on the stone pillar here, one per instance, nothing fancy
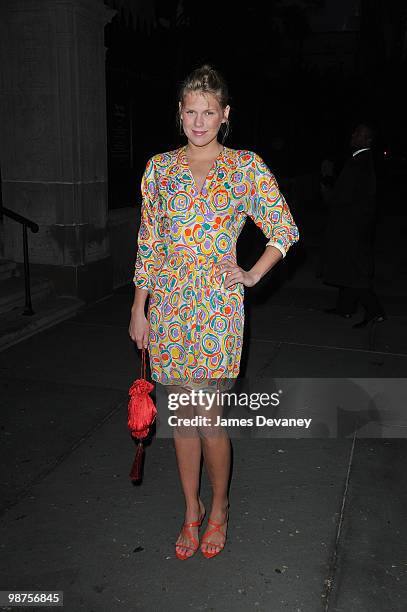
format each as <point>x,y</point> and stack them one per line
<point>53,139</point>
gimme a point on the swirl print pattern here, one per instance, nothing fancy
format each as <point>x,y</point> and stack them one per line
<point>196,324</point>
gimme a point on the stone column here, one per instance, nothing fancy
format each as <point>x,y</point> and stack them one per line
<point>53,139</point>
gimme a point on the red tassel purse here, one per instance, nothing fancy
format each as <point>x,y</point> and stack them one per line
<point>141,415</point>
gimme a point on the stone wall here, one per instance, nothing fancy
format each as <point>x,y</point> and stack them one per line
<point>123,226</point>
<point>53,139</point>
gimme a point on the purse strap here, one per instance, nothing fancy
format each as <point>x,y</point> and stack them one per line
<point>143,363</point>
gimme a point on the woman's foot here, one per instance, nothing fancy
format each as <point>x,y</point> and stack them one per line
<point>187,543</point>
<point>214,538</point>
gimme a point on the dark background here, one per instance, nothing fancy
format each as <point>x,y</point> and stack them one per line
<point>301,75</point>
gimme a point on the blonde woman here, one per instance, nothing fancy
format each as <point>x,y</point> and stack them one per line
<point>195,202</point>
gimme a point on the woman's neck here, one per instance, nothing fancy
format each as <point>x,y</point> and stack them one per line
<point>212,149</point>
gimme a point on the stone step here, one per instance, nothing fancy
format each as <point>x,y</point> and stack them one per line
<point>8,269</point>
<point>15,327</point>
<point>12,295</point>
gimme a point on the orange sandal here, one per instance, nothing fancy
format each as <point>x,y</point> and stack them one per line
<point>185,529</point>
<point>216,527</point>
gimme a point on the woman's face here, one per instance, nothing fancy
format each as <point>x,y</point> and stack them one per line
<point>202,116</point>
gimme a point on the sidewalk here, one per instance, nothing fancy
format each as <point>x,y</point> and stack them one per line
<point>315,524</point>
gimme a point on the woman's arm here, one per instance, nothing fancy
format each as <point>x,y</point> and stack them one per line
<point>149,245</point>
<point>268,209</point>
<point>248,278</point>
<point>139,327</point>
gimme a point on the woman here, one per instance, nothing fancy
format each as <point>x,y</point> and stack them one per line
<point>195,203</point>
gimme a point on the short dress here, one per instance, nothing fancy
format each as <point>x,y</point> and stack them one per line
<point>196,323</point>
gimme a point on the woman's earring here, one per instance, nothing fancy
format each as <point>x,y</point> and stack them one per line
<point>226,132</point>
<point>181,131</point>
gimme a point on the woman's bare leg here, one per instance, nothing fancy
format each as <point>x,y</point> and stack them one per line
<point>188,452</point>
<point>216,451</point>
<point>217,457</point>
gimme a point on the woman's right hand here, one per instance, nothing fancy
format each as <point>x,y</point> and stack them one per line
<point>139,329</point>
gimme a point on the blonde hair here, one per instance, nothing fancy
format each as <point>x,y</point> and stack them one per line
<point>207,80</point>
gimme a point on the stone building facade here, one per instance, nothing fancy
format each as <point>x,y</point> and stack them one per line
<point>53,140</point>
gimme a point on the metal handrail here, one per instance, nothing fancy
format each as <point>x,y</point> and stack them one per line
<point>34,227</point>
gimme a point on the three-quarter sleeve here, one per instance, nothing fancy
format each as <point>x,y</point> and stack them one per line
<point>149,235</point>
<point>268,209</point>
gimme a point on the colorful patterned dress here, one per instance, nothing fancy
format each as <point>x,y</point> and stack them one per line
<point>196,324</point>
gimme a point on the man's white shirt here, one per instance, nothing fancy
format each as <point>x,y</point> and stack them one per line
<point>360,151</point>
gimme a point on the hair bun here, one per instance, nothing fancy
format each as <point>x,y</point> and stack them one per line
<point>206,79</point>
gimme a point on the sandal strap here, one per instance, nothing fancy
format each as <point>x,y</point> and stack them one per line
<point>190,537</point>
<point>213,543</point>
<point>217,525</point>
<point>185,529</point>
<point>211,532</point>
<point>185,546</point>
<point>193,524</point>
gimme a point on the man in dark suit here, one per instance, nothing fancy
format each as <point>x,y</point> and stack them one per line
<point>348,251</point>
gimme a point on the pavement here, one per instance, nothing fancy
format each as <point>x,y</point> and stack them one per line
<point>316,518</point>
